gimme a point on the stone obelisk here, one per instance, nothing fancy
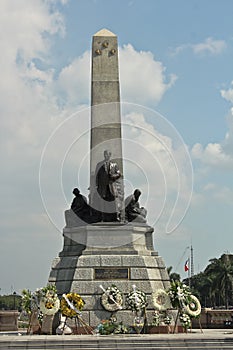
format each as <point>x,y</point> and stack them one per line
<point>105,99</point>
<point>105,121</point>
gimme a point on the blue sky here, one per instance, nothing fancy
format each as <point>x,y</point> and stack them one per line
<point>176,60</point>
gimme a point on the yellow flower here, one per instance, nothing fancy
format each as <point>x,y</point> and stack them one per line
<point>76,300</point>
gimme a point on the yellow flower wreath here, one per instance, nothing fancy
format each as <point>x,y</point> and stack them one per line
<point>76,300</point>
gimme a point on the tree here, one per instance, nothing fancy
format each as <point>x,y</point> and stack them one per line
<point>202,287</point>
<point>214,286</point>
<point>221,272</point>
<point>173,276</point>
<point>10,302</point>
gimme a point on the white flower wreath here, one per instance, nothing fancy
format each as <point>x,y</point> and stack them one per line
<point>112,299</point>
<point>161,300</point>
<point>193,308</point>
<point>136,300</point>
<point>49,307</point>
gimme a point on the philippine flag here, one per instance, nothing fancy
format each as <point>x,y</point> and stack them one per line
<point>186,265</point>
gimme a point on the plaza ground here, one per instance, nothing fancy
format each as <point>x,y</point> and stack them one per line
<point>209,339</point>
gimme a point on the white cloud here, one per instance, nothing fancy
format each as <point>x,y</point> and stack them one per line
<point>26,103</point>
<point>212,155</point>
<point>214,191</point>
<point>73,84</point>
<point>142,78</point>
<point>28,115</point>
<point>218,155</point>
<point>157,164</point>
<point>228,94</point>
<point>175,51</point>
<point>24,24</point>
<point>208,46</point>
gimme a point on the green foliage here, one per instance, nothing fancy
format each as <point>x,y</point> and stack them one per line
<point>31,300</point>
<point>156,319</point>
<point>174,276</point>
<point>161,316</point>
<point>179,294</point>
<point>26,300</point>
<point>185,320</point>
<point>214,286</point>
<point>10,302</point>
<point>111,327</point>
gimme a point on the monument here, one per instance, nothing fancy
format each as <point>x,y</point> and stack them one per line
<point>104,247</point>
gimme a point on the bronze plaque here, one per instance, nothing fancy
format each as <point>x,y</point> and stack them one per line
<point>111,273</point>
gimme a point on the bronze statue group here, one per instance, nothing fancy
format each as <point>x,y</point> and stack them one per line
<point>107,202</point>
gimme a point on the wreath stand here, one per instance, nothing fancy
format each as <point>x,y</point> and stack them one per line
<point>34,326</point>
<point>178,313</point>
<point>145,323</point>
<point>77,318</point>
<point>200,326</point>
<point>79,322</point>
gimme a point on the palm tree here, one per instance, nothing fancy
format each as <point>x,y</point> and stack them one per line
<point>221,273</point>
<point>202,287</point>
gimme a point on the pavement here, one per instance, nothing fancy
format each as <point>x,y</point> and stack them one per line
<point>208,339</point>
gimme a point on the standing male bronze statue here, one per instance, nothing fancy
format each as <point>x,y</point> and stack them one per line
<point>109,191</point>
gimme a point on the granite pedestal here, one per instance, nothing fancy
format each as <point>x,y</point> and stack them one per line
<point>106,254</point>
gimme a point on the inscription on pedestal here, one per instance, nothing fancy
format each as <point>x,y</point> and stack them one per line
<point>111,273</point>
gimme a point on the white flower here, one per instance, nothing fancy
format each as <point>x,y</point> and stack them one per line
<point>161,300</point>
<point>52,310</point>
<point>112,299</point>
<point>136,300</point>
<point>193,308</point>
<point>185,320</point>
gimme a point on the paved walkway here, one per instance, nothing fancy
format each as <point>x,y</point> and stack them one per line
<point>209,339</point>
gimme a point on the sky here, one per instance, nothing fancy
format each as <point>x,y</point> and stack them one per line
<point>176,80</point>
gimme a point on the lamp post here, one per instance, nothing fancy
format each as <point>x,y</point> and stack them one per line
<point>14,295</point>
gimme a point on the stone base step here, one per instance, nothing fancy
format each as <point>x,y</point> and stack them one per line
<point>122,342</point>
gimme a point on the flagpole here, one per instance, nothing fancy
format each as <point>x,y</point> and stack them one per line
<point>189,274</point>
<point>187,269</point>
<point>192,264</point>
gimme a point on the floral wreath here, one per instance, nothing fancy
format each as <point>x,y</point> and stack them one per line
<point>112,299</point>
<point>161,300</point>
<point>179,294</point>
<point>136,300</point>
<point>49,302</point>
<point>29,301</point>
<point>71,304</point>
<point>45,299</point>
<point>193,307</point>
<point>49,307</point>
